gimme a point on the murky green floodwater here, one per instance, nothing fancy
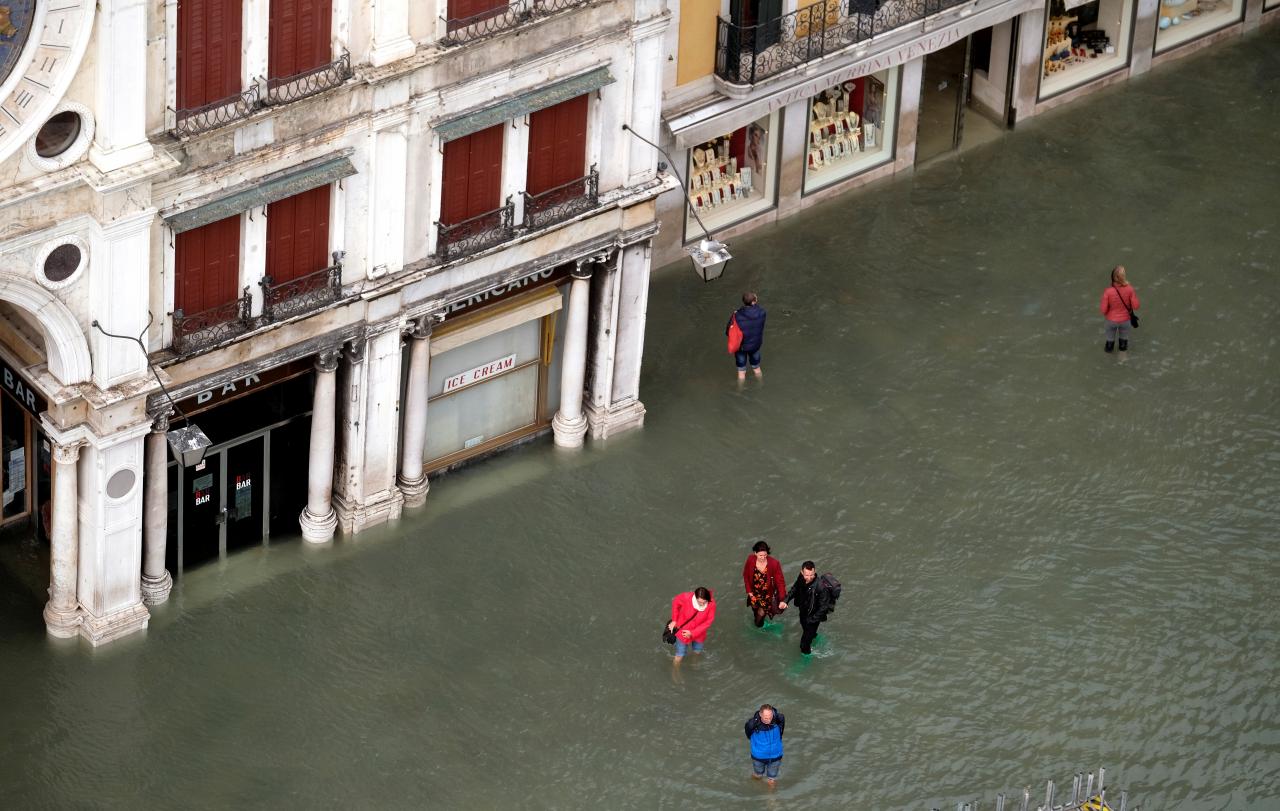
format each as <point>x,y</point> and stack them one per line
<point>1053,560</point>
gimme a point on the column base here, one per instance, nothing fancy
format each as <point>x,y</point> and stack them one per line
<point>109,160</point>
<point>62,624</point>
<point>317,529</point>
<point>101,630</point>
<point>415,490</point>
<point>353,518</point>
<point>568,433</point>
<point>605,422</point>
<point>384,53</point>
<point>155,590</point>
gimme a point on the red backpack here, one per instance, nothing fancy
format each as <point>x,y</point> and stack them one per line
<point>735,334</point>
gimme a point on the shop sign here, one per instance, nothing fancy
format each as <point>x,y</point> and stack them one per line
<point>236,387</point>
<point>21,389</point>
<point>535,279</point>
<point>483,372</point>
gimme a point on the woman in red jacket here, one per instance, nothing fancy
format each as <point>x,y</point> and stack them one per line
<point>692,612</point>
<point>766,587</point>
<point>1114,299</point>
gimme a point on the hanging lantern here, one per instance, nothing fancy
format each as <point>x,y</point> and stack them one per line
<point>188,444</point>
<point>709,258</point>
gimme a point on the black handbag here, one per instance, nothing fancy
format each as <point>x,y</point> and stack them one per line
<point>669,634</point>
<point>1133,317</point>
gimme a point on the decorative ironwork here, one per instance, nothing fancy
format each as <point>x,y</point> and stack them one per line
<point>563,202</point>
<point>746,54</point>
<point>309,82</point>
<point>303,294</point>
<point>192,333</point>
<point>476,234</point>
<point>501,18</point>
<point>216,114</point>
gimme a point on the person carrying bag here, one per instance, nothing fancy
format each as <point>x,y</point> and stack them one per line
<point>692,613</point>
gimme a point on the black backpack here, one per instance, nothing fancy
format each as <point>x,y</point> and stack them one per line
<point>828,581</point>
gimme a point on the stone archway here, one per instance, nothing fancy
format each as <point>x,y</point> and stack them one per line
<point>65,348</point>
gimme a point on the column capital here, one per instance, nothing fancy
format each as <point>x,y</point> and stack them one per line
<point>327,359</point>
<point>160,421</point>
<point>420,328</point>
<point>67,453</point>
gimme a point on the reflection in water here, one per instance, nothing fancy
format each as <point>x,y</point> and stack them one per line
<point>1050,560</point>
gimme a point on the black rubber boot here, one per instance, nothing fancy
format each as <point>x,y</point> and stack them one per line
<point>1124,345</point>
<point>1108,346</point>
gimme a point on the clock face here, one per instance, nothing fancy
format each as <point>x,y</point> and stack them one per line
<point>15,27</point>
<point>41,45</point>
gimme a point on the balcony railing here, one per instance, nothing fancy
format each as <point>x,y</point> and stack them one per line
<point>281,90</point>
<point>192,333</point>
<point>303,294</point>
<point>751,53</point>
<point>503,17</point>
<point>310,82</point>
<point>476,234</point>
<point>562,203</point>
<point>219,113</point>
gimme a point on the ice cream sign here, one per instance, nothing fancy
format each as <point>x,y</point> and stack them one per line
<point>484,372</point>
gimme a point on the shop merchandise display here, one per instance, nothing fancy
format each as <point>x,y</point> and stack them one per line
<point>1175,12</point>
<point>1069,43</point>
<point>834,131</point>
<point>717,178</point>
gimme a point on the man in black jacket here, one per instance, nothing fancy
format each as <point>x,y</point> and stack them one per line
<point>813,603</point>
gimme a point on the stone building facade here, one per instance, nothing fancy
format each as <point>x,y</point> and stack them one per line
<point>356,242</point>
<point>771,106</point>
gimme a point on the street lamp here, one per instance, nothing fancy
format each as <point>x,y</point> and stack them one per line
<point>710,256</point>
<point>188,443</point>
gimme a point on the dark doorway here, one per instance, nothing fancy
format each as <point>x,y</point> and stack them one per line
<point>952,115</point>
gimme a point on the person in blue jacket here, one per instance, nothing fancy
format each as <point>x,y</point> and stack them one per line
<point>764,731</point>
<point>751,321</point>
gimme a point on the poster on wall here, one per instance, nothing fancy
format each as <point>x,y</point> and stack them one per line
<point>873,104</point>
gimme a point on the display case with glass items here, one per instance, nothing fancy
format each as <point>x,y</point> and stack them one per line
<point>1084,41</point>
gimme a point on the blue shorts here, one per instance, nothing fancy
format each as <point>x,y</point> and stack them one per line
<point>741,359</point>
<point>682,647</point>
<point>766,768</point>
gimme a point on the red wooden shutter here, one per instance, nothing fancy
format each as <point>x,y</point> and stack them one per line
<point>298,235</point>
<point>299,38</point>
<point>207,266</point>
<point>209,34</point>
<point>472,175</point>
<point>462,11</point>
<point>557,145</point>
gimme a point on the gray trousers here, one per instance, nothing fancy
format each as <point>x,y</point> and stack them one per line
<point>1121,327</point>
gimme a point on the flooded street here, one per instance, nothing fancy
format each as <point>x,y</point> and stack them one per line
<point>1053,558</point>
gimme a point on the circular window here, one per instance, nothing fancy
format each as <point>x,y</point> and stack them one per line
<point>121,483</point>
<point>61,262</point>
<point>58,134</point>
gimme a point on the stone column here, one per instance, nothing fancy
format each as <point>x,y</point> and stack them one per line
<point>569,425</point>
<point>390,32</point>
<point>318,519</point>
<point>617,345</point>
<point>413,482</point>
<point>156,580</point>
<point>120,111</point>
<point>61,614</point>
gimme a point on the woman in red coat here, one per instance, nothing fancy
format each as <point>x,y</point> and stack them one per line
<point>1119,301</point>
<point>766,587</point>
<point>692,612</point>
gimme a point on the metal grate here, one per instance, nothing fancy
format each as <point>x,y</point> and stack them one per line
<point>198,331</point>
<point>503,18</point>
<point>476,234</point>
<point>303,294</point>
<point>216,114</point>
<point>310,82</point>
<point>563,202</point>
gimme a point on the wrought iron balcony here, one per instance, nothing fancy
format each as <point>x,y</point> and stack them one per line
<point>476,234</point>
<point>219,113</point>
<point>192,333</point>
<point>563,202</point>
<point>303,294</point>
<point>502,17</point>
<point>285,89</point>
<point>746,54</point>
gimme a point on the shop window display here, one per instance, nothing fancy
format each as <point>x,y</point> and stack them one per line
<point>1084,41</point>
<point>851,128</point>
<point>732,177</point>
<point>1184,20</point>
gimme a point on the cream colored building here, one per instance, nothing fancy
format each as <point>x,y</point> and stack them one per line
<point>362,242</point>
